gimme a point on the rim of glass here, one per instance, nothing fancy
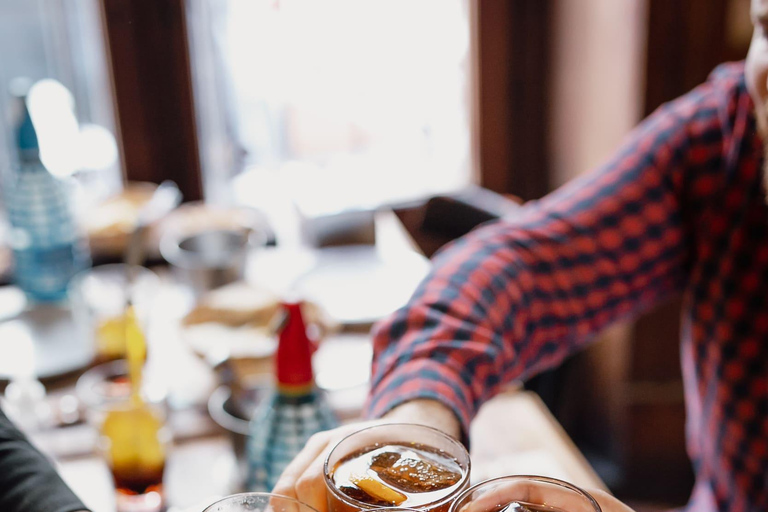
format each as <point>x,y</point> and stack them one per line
<point>269,495</point>
<point>393,509</point>
<point>538,478</point>
<point>171,249</point>
<point>361,504</point>
<point>152,393</point>
<point>145,278</point>
<point>117,269</point>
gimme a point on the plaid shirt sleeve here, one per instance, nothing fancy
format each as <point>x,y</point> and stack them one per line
<point>517,296</point>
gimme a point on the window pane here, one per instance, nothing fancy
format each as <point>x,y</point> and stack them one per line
<point>366,101</point>
<point>62,40</point>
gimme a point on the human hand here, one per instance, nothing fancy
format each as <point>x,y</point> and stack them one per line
<point>607,502</point>
<point>304,479</point>
<point>528,490</point>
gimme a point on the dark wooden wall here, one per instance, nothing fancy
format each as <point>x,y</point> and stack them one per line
<point>149,57</point>
<point>686,40</point>
<point>514,62</point>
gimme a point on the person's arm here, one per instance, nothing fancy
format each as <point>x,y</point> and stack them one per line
<point>517,296</point>
<point>28,481</point>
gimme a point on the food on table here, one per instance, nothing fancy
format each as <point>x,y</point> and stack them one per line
<point>235,305</point>
<point>109,223</point>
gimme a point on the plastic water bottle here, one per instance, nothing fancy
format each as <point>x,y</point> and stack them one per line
<point>45,240</point>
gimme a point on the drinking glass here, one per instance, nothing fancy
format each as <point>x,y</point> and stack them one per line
<point>133,436</point>
<point>258,502</point>
<point>99,297</point>
<point>436,444</point>
<point>525,493</point>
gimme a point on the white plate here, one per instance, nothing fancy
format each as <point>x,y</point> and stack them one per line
<point>358,284</point>
<point>44,337</point>
<point>211,339</point>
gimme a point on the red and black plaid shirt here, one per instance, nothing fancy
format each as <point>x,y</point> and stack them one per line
<point>680,208</point>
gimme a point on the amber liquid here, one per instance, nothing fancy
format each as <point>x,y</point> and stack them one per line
<point>135,449</point>
<point>421,494</point>
<point>110,334</point>
<point>134,432</point>
<point>138,480</point>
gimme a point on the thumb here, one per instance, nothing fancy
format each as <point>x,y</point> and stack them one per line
<point>607,502</point>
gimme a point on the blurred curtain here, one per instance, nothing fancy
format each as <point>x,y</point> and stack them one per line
<point>221,154</point>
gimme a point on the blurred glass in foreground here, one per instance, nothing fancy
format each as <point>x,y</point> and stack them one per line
<point>259,502</point>
<point>134,439</point>
<point>99,298</point>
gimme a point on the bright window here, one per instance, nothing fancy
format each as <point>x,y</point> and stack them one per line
<point>353,103</point>
<point>60,43</point>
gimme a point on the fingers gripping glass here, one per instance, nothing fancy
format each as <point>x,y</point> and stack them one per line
<point>525,494</point>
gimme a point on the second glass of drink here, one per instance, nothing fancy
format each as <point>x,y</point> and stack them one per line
<point>525,493</point>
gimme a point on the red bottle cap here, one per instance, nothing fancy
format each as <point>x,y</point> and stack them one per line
<point>294,352</point>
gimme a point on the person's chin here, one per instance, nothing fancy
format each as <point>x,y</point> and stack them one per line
<point>761,118</point>
<point>762,129</point>
<point>765,161</point>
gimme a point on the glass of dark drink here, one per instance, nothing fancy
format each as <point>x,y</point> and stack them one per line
<point>525,493</point>
<point>134,441</point>
<point>99,306</point>
<point>396,465</point>
<point>133,435</point>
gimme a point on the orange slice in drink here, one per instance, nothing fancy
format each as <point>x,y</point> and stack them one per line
<point>377,489</point>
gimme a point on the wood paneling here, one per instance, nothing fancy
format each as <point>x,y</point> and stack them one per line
<point>513,45</point>
<point>686,40</point>
<point>149,58</point>
<point>623,399</point>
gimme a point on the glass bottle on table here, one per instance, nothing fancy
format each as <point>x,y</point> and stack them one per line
<point>48,247</point>
<point>294,411</point>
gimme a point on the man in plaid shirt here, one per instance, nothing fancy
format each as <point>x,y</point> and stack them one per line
<point>681,207</point>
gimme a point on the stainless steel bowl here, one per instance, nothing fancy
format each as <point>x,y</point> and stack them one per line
<point>210,259</point>
<point>234,417</point>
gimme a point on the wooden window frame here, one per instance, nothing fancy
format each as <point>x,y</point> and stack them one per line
<point>148,53</point>
<point>513,63</point>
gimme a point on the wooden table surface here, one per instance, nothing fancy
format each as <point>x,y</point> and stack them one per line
<point>514,433</point>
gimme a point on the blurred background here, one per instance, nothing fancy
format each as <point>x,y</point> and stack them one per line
<point>311,122</point>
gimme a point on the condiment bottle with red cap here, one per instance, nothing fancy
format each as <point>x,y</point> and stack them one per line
<point>295,410</point>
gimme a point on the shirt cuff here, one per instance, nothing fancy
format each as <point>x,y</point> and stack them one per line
<point>419,379</point>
